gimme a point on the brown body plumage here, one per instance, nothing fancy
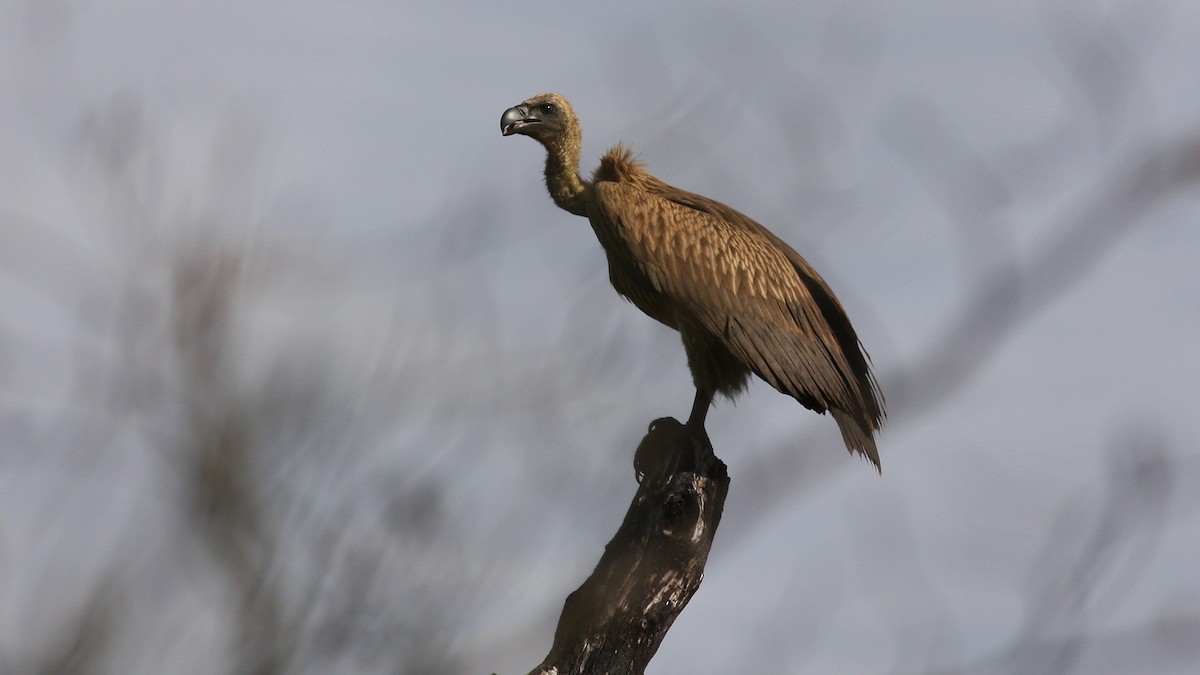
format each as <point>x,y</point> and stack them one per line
<point>742,300</point>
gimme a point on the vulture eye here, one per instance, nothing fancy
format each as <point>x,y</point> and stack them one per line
<point>547,108</point>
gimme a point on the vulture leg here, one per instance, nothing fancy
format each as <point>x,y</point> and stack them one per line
<point>714,369</point>
<point>704,399</point>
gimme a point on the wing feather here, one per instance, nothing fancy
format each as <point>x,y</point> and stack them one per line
<point>717,267</point>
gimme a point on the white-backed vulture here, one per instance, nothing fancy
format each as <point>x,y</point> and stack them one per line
<point>742,300</point>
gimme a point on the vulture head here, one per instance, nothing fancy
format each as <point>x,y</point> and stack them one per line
<point>545,118</point>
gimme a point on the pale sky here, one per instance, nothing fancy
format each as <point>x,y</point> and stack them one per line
<point>906,149</point>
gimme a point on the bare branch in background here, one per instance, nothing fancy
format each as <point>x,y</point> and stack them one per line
<point>1004,291</point>
<point>1091,560</point>
<point>239,439</point>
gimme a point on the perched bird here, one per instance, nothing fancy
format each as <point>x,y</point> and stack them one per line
<point>742,300</point>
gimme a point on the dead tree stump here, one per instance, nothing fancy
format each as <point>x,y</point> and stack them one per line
<point>615,621</point>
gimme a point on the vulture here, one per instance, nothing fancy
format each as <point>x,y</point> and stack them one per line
<point>742,300</point>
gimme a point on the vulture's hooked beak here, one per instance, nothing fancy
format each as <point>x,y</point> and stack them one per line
<point>517,117</point>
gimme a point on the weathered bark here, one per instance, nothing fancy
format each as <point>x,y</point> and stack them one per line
<point>615,621</point>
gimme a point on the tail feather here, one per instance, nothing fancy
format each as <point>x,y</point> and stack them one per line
<point>857,438</point>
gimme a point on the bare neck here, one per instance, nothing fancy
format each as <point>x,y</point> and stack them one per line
<point>567,189</point>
